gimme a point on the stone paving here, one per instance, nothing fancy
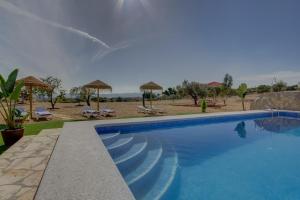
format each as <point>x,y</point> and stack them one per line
<point>22,166</point>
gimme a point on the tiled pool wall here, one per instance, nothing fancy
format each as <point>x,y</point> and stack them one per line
<point>133,127</point>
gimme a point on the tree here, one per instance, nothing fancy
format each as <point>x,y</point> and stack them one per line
<point>195,90</point>
<point>263,88</point>
<point>242,92</point>
<point>78,93</point>
<point>226,88</point>
<point>214,92</point>
<point>180,91</point>
<point>279,86</point>
<point>87,93</point>
<point>224,93</point>
<point>55,84</point>
<point>170,93</point>
<point>62,95</point>
<point>24,95</point>
<point>228,81</point>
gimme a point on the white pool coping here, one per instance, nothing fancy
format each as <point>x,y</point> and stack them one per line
<point>81,168</point>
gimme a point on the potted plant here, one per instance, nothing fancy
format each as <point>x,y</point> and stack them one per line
<point>9,94</point>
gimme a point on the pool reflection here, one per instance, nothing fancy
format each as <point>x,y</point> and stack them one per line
<point>278,124</point>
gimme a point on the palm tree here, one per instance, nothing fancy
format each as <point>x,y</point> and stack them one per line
<point>242,92</point>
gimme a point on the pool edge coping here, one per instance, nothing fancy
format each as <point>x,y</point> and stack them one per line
<point>57,183</point>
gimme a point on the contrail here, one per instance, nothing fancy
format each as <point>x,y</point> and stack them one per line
<point>16,10</point>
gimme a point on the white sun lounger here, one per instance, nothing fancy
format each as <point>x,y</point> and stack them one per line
<point>22,111</point>
<point>158,110</point>
<point>42,113</point>
<point>145,110</point>
<point>106,112</point>
<point>88,112</point>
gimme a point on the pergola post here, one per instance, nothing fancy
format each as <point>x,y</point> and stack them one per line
<point>151,98</point>
<point>98,100</point>
<point>30,99</point>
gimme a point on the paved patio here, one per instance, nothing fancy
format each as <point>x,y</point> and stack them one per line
<point>22,166</point>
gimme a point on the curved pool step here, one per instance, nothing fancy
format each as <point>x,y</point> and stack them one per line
<point>150,161</point>
<point>135,154</point>
<point>110,138</point>
<point>165,178</point>
<point>121,145</point>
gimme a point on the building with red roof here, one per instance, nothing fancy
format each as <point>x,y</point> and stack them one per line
<point>215,84</point>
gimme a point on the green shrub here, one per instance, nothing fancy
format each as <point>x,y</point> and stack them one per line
<point>279,86</point>
<point>263,88</point>
<point>203,105</point>
<point>292,88</point>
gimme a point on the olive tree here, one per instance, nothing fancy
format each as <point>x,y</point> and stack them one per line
<point>87,93</point>
<point>195,90</point>
<point>52,92</point>
<point>78,93</point>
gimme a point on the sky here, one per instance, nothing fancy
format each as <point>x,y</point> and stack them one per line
<point>126,43</point>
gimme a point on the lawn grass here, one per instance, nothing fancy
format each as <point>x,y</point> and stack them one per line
<point>34,129</point>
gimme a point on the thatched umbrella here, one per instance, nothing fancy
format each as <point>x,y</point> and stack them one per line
<point>99,85</point>
<point>151,86</point>
<point>32,82</point>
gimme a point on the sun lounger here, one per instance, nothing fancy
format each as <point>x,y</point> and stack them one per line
<point>42,113</point>
<point>158,110</point>
<point>145,110</point>
<point>22,111</point>
<point>88,112</point>
<point>106,112</point>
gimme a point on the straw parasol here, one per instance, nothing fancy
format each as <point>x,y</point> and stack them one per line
<point>150,86</point>
<point>99,85</point>
<point>31,82</point>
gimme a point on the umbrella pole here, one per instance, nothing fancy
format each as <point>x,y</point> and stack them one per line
<point>98,106</point>
<point>151,98</point>
<point>30,99</point>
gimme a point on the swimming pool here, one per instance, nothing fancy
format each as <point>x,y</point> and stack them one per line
<point>252,156</point>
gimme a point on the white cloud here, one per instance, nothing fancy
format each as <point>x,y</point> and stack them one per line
<point>41,47</point>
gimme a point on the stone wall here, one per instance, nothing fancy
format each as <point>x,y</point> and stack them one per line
<point>278,100</point>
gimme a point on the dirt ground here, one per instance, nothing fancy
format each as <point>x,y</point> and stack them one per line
<point>71,111</point>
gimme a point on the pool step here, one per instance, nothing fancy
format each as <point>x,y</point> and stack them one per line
<point>121,145</point>
<point>108,139</point>
<point>151,159</point>
<point>135,154</point>
<point>166,176</point>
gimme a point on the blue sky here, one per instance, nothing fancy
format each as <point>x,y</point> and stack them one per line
<point>128,42</point>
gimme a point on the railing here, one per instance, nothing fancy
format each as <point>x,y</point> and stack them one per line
<point>272,110</point>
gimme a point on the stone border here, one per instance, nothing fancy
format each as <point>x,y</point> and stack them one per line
<point>23,164</point>
<point>81,168</point>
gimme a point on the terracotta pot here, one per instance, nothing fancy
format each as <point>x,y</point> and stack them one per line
<point>10,137</point>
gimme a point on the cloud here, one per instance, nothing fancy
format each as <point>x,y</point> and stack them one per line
<point>41,47</point>
<point>104,49</point>
<point>291,77</point>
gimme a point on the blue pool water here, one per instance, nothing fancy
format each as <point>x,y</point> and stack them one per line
<point>254,156</point>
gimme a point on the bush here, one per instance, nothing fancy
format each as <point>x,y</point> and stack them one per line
<point>279,86</point>
<point>203,105</point>
<point>292,88</point>
<point>263,88</point>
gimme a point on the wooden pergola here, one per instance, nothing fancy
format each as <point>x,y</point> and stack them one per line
<point>98,85</point>
<point>150,87</point>
<point>31,82</point>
